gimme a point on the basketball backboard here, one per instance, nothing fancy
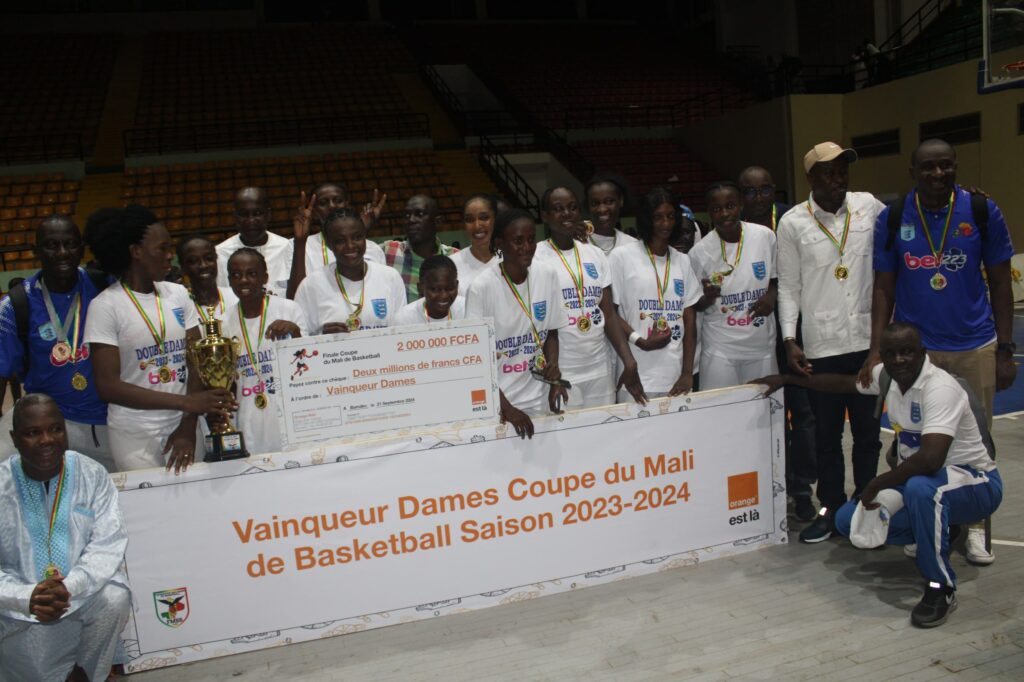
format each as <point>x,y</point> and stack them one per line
<point>1002,32</point>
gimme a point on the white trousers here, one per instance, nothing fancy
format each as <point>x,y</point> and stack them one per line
<point>91,441</point>
<point>719,372</point>
<point>47,652</point>
<point>144,449</point>
<point>591,393</point>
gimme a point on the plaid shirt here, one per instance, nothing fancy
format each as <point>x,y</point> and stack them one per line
<point>401,257</point>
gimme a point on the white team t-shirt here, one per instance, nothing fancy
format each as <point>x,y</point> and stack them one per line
<point>515,344</point>
<point>227,299</point>
<point>260,426</point>
<point>727,331</point>
<point>316,253</point>
<point>936,403</point>
<point>582,356</point>
<point>615,241</point>
<point>113,320</point>
<point>635,288</point>
<point>416,313</point>
<point>468,268</point>
<point>322,302</point>
<point>277,252</point>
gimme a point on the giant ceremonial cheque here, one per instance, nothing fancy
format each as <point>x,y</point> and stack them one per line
<point>353,533</point>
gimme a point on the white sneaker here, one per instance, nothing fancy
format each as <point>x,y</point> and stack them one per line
<point>976,552</point>
<point>910,551</point>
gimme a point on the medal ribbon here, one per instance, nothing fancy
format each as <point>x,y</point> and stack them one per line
<point>662,284</point>
<point>945,229</point>
<point>61,328</point>
<point>739,252</point>
<point>577,282</point>
<point>841,245</point>
<point>53,512</point>
<point>323,248</point>
<point>524,306</point>
<point>159,313</point>
<point>259,339</point>
<point>775,216</point>
<point>199,308</point>
<point>344,294</point>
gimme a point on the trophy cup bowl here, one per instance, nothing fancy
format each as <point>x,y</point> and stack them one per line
<point>215,358</point>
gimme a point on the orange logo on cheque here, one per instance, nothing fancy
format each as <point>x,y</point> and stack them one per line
<point>743,490</point>
<point>479,397</point>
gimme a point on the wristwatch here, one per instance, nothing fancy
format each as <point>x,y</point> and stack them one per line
<point>1008,346</point>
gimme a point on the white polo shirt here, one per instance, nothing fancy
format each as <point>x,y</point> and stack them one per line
<point>277,252</point>
<point>936,403</point>
<point>836,313</point>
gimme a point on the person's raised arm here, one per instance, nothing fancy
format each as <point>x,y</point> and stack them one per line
<point>300,234</point>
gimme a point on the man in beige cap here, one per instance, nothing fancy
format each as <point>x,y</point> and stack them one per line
<point>825,249</point>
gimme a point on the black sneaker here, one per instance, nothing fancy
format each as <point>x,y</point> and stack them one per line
<point>935,606</point>
<point>821,529</point>
<point>803,508</point>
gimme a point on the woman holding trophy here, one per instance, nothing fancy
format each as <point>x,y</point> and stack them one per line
<point>137,331</point>
<point>256,320</point>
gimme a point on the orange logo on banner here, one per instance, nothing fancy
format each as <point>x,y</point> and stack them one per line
<point>478,397</point>
<point>743,490</point>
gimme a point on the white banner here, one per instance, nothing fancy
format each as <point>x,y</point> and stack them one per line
<point>348,535</point>
<point>385,379</point>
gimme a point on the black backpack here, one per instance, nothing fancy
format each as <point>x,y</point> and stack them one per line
<point>979,210</point>
<point>19,301</point>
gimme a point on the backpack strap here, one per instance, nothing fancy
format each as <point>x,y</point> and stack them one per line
<point>979,211</point>
<point>19,301</point>
<point>894,219</point>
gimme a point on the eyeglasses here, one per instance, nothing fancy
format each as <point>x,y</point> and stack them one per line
<point>763,190</point>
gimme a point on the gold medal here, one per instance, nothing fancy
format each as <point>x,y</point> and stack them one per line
<point>79,382</point>
<point>539,361</point>
<point>938,281</point>
<point>588,227</point>
<point>583,324</point>
<point>352,323</point>
<point>661,324</point>
<point>61,352</point>
<point>842,272</point>
<point>51,571</point>
<point>261,401</point>
<point>165,374</point>
<point>717,278</point>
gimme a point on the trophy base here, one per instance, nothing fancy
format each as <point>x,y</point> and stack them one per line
<point>221,447</point>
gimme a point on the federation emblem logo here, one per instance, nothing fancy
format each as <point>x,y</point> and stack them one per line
<point>907,233</point>
<point>540,310</point>
<point>966,229</point>
<point>172,606</point>
<point>759,269</point>
<point>679,288</point>
<point>591,270</point>
<point>179,315</point>
<point>47,333</point>
<point>915,412</point>
<point>380,307</point>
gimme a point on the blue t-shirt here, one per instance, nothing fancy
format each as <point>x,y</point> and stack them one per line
<point>46,373</point>
<point>959,317</point>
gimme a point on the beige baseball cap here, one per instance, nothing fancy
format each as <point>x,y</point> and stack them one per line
<point>827,151</point>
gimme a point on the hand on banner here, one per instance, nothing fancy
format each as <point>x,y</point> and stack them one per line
<point>682,386</point>
<point>865,375</point>
<point>303,216</point>
<point>630,378</point>
<point>771,383</point>
<point>656,341</point>
<point>372,210</point>
<point>50,600</point>
<point>335,328</point>
<point>283,329</point>
<point>182,445</point>
<point>557,395</point>
<point>519,420</point>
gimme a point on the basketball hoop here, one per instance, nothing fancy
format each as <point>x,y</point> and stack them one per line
<point>1017,66</point>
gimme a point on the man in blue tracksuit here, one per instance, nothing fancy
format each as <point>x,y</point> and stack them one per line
<point>943,470</point>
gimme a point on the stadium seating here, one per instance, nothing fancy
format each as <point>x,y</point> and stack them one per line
<point>199,197</point>
<point>24,200</point>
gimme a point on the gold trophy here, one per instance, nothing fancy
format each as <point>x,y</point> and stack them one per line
<point>215,357</point>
